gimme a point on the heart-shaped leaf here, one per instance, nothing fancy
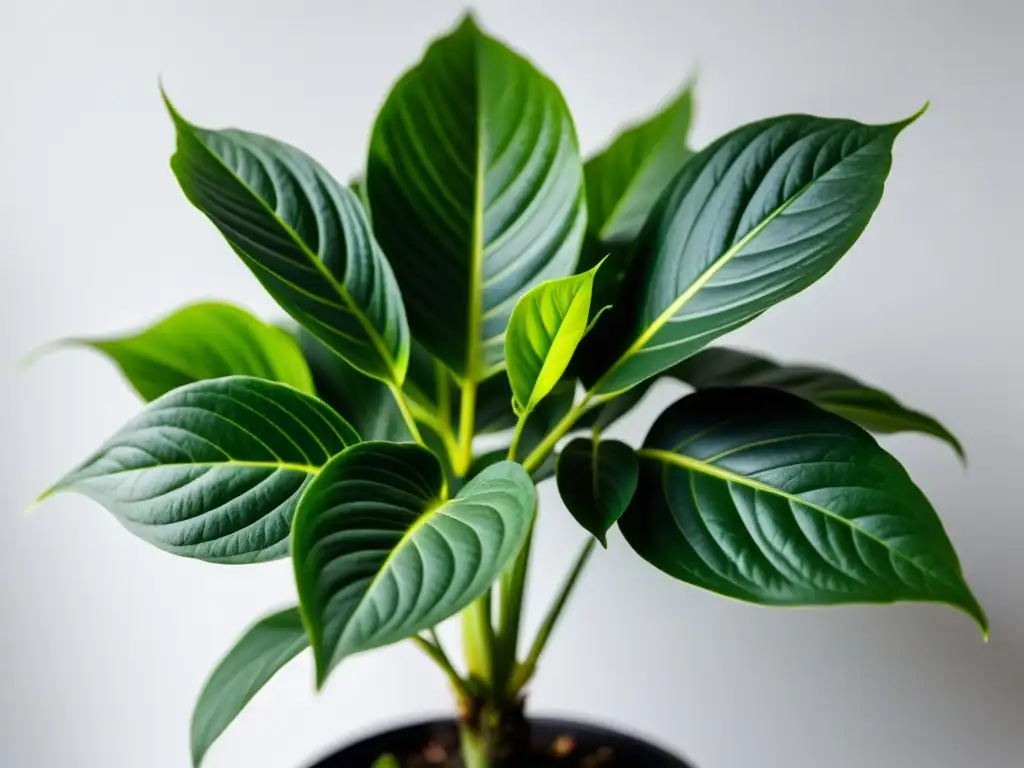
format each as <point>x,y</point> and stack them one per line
<point>304,236</point>
<point>214,470</point>
<point>873,409</point>
<point>762,496</point>
<point>209,340</point>
<point>596,481</point>
<point>753,219</point>
<point>380,555</point>
<point>547,324</point>
<point>476,186</point>
<point>257,656</point>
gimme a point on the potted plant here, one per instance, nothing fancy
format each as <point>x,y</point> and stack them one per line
<point>482,278</point>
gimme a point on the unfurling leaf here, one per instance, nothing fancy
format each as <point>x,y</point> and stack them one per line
<point>762,496</point>
<point>214,470</point>
<point>596,481</point>
<point>258,655</point>
<point>380,554</point>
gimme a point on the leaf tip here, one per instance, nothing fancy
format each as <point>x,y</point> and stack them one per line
<point>899,126</point>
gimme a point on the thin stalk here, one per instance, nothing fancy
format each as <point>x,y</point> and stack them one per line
<point>547,445</point>
<point>526,670</point>
<point>513,447</point>
<point>439,657</point>
<point>478,639</point>
<point>510,614</point>
<point>403,407</point>
<point>467,418</point>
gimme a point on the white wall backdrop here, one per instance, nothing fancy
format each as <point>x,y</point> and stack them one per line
<point>104,642</point>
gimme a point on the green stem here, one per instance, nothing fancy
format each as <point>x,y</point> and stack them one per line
<point>547,445</point>
<point>403,407</point>
<point>467,418</point>
<point>478,639</point>
<point>439,657</point>
<point>510,613</point>
<point>513,447</point>
<point>526,670</point>
<point>476,752</point>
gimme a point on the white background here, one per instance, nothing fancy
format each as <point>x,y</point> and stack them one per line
<point>104,641</point>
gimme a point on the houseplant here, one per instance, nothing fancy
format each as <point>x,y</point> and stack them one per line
<point>483,278</point>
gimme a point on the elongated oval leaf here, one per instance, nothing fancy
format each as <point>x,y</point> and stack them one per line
<point>380,555</point>
<point>596,480</point>
<point>546,326</point>
<point>762,496</point>
<point>476,186</point>
<point>258,655</point>
<point>304,236</point>
<point>753,219</point>
<point>208,340</point>
<point>214,470</point>
<point>873,409</point>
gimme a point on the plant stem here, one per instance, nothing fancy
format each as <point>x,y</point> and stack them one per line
<point>513,447</point>
<point>510,613</point>
<point>475,749</point>
<point>540,453</point>
<point>439,657</point>
<point>467,422</point>
<point>526,670</point>
<point>403,407</point>
<point>478,639</point>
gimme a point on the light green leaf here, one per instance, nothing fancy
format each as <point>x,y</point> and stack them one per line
<point>543,333</point>
<point>476,186</point>
<point>759,495</point>
<point>596,480</point>
<point>203,341</point>
<point>753,219</point>
<point>304,236</point>
<point>380,555</point>
<point>259,654</point>
<point>214,470</point>
<point>873,409</point>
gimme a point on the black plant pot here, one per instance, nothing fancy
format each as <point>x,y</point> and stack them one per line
<point>424,745</point>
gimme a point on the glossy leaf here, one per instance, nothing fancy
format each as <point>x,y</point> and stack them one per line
<point>546,326</point>
<point>762,496</point>
<point>214,470</point>
<point>380,555</point>
<point>596,480</point>
<point>204,341</point>
<point>304,236</point>
<point>872,408</point>
<point>259,654</point>
<point>476,186</point>
<point>753,219</point>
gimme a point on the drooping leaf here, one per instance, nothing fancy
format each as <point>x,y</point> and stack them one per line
<point>259,654</point>
<point>762,496</point>
<point>596,480</point>
<point>546,325</point>
<point>380,555</point>
<point>204,341</point>
<point>304,236</point>
<point>476,186</point>
<point>753,219</point>
<point>214,470</point>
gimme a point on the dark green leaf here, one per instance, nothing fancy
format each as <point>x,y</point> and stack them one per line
<point>762,496</point>
<point>204,341</point>
<point>380,555</point>
<point>260,653</point>
<point>214,470</point>
<point>873,409</point>
<point>304,236</point>
<point>596,481</point>
<point>476,186</point>
<point>757,217</point>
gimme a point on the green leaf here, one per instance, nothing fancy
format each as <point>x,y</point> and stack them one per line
<point>753,219</point>
<point>762,496</point>
<point>203,341</point>
<point>214,470</point>
<point>304,236</point>
<point>596,481</point>
<point>259,654</point>
<point>380,555</point>
<point>872,408</point>
<point>625,180</point>
<point>546,326</point>
<point>476,186</point>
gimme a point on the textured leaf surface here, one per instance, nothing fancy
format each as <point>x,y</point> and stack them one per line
<point>304,236</point>
<point>753,219</point>
<point>546,326</point>
<point>214,470</point>
<point>596,480</point>
<point>209,340</point>
<point>257,656</point>
<point>873,409</point>
<point>476,186</point>
<point>759,495</point>
<point>380,555</point>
